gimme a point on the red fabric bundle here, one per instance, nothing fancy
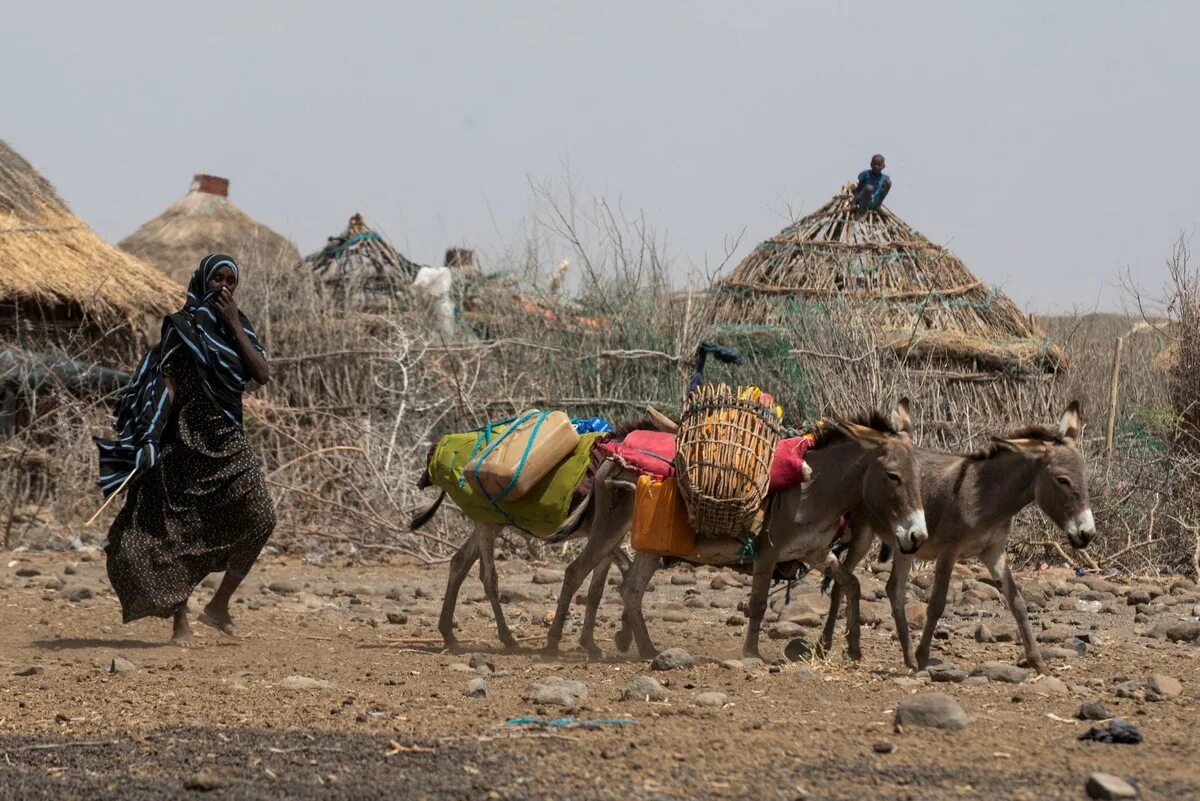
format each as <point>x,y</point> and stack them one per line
<point>787,469</point>
<point>651,453</point>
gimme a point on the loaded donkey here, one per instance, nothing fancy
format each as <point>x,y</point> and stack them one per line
<point>970,501</point>
<point>867,463</point>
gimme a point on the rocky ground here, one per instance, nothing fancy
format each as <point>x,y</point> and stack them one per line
<point>342,692</point>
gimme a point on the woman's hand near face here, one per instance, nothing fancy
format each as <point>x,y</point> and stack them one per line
<point>227,308</point>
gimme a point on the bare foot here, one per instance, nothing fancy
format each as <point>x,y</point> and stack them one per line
<point>181,635</point>
<point>220,620</point>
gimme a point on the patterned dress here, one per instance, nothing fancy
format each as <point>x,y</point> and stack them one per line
<point>203,508</point>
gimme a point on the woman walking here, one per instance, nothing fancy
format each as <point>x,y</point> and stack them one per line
<point>197,501</point>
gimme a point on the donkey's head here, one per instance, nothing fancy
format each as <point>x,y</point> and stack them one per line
<point>891,485</point>
<point>1061,486</point>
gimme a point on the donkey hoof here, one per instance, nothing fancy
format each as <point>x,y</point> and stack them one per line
<point>454,646</point>
<point>623,639</point>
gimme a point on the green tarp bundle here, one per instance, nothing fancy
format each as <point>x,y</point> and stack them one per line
<point>539,511</point>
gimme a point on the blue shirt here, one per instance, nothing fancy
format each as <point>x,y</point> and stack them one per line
<point>873,178</point>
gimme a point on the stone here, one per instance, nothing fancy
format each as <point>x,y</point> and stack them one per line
<point>786,630</point>
<point>482,661</point>
<point>1056,633</point>
<point>32,670</point>
<point>695,602</point>
<point>711,699</point>
<point>120,664</point>
<point>1107,787</point>
<point>673,659</point>
<point>1002,672</point>
<point>203,781</point>
<point>946,673</point>
<point>1137,596</point>
<point>1093,710</point>
<point>1164,686</point>
<point>798,649</point>
<point>546,575</point>
<point>77,592</point>
<point>305,683</point>
<point>735,620</point>
<point>1129,689</point>
<point>931,710</point>
<point>477,688</point>
<point>645,688</point>
<point>683,579</point>
<point>558,692</point>
<point>285,587</point>
<point>674,616</point>
<point>28,572</point>
<point>1184,632</point>
<point>883,747</point>
<point>1042,687</point>
<point>984,634</point>
<point>397,618</point>
<point>732,664</point>
<point>975,681</point>
<point>914,613</point>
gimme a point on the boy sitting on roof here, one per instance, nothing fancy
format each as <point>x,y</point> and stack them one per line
<point>872,187</point>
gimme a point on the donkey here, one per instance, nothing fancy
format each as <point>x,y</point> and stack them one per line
<point>480,546</point>
<point>970,501</point>
<point>867,461</point>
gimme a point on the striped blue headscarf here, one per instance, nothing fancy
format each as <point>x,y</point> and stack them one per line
<point>145,406</point>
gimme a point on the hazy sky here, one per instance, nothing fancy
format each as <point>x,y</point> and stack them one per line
<point>1051,145</point>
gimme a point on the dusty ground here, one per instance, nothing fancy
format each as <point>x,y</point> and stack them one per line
<point>395,721</point>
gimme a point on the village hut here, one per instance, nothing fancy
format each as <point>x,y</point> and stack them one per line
<point>206,221</point>
<point>62,287</point>
<point>917,299</point>
<point>361,266</point>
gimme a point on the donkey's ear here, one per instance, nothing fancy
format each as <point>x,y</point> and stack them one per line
<point>661,421</point>
<point>863,435</point>
<point>1033,448</point>
<point>901,419</point>
<point>1071,422</point>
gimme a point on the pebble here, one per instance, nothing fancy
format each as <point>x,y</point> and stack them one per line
<point>120,664</point>
<point>484,661</point>
<point>931,710</point>
<point>786,630</point>
<point>1093,710</point>
<point>711,699</point>
<point>1106,787</point>
<point>1002,672</point>
<point>1184,632</point>
<point>559,692</point>
<point>983,634</point>
<point>798,649</point>
<point>397,618</point>
<point>77,592</point>
<point>546,575</point>
<point>674,616</point>
<point>645,688</point>
<point>477,688</point>
<point>32,670</point>
<point>735,620</point>
<point>28,572</point>
<point>1056,633</point>
<point>946,673</point>
<point>673,659</point>
<point>1042,686</point>
<point>1088,607</point>
<point>203,781</point>
<point>883,747</point>
<point>285,587</point>
<point>1164,686</point>
<point>683,579</point>
<point>305,683</point>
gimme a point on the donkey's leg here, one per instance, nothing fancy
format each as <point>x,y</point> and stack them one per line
<point>845,577</point>
<point>897,590</point>
<point>943,572</point>
<point>587,637</point>
<point>760,589</point>
<point>491,583</point>
<point>460,566</point>
<point>858,549</point>
<point>601,542</point>
<point>996,561</point>
<point>633,621</point>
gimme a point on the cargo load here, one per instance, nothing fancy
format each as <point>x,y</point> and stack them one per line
<point>660,521</point>
<point>650,453</point>
<point>541,509</point>
<point>504,467</point>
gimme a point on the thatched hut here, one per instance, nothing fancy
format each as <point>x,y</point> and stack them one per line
<point>361,266</point>
<point>62,287</point>
<point>205,221</point>
<point>917,298</point>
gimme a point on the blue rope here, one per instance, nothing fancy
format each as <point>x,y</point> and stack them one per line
<point>569,722</point>
<point>747,551</point>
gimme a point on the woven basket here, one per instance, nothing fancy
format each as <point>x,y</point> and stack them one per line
<point>723,459</point>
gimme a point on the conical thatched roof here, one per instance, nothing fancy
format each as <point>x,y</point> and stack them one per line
<point>53,267</point>
<point>919,297</point>
<point>205,221</point>
<point>360,262</point>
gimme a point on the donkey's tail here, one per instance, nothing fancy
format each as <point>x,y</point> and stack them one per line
<point>572,523</point>
<point>424,517</point>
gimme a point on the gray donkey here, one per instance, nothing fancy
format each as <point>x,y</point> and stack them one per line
<point>970,501</point>
<point>869,462</point>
